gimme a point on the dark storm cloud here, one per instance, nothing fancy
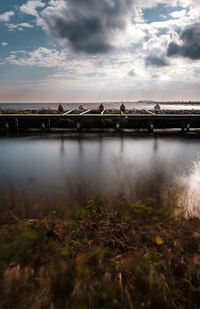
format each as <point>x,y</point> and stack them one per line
<point>190,47</point>
<point>156,61</point>
<point>89,26</point>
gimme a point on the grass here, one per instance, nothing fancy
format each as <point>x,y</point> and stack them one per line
<point>130,255</point>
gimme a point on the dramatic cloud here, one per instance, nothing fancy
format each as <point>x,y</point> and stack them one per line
<point>5,17</point>
<point>190,43</point>
<point>109,49</point>
<point>31,6</point>
<point>157,61</point>
<point>90,26</point>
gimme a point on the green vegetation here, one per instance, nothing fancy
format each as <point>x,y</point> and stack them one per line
<point>100,256</point>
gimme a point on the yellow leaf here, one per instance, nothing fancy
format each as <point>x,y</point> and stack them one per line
<point>159,240</point>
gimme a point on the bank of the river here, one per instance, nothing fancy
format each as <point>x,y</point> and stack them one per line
<point>100,256</point>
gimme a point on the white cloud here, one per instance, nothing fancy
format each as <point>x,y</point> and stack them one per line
<point>4,44</point>
<point>13,27</point>
<point>178,14</point>
<point>63,62</point>
<point>18,52</point>
<point>5,17</point>
<point>41,57</point>
<point>114,69</point>
<point>31,6</point>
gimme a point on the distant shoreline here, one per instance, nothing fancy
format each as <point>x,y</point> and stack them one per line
<point>131,107</point>
<point>108,102</point>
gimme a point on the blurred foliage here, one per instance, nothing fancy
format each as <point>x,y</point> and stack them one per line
<point>132,255</point>
<point>98,208</point>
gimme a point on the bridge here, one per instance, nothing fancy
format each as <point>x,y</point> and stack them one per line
<point>90,120</point>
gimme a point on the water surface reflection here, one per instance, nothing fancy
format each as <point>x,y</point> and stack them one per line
<point>120,166</point>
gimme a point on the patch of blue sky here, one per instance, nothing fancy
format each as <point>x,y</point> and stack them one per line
<point>3,35</point>
<point>197,72</point>
<point>135,46</point>
<point>21,38</point>
<point>29,39</point>
<point>10,5</point>
<point>163,31</point>
<point>14,73</point>
<point>159,13</point>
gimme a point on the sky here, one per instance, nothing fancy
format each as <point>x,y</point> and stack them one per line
<point>99,50</point>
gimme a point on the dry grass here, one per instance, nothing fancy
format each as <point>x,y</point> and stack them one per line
<point>130,255</point>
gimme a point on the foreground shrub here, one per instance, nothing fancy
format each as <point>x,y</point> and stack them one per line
<point>129,256</point>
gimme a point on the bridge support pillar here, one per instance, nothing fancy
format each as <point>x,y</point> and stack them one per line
<point>117,126</point>
<point>16,123</point>
<point>7,126</point>
<point>43,126</point>
<point>151,127</point>
<point>48,124</point>
<point>188,127</point>
<point>78,125</point>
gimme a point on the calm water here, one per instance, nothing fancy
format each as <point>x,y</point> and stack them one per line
<point>78,166</point>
